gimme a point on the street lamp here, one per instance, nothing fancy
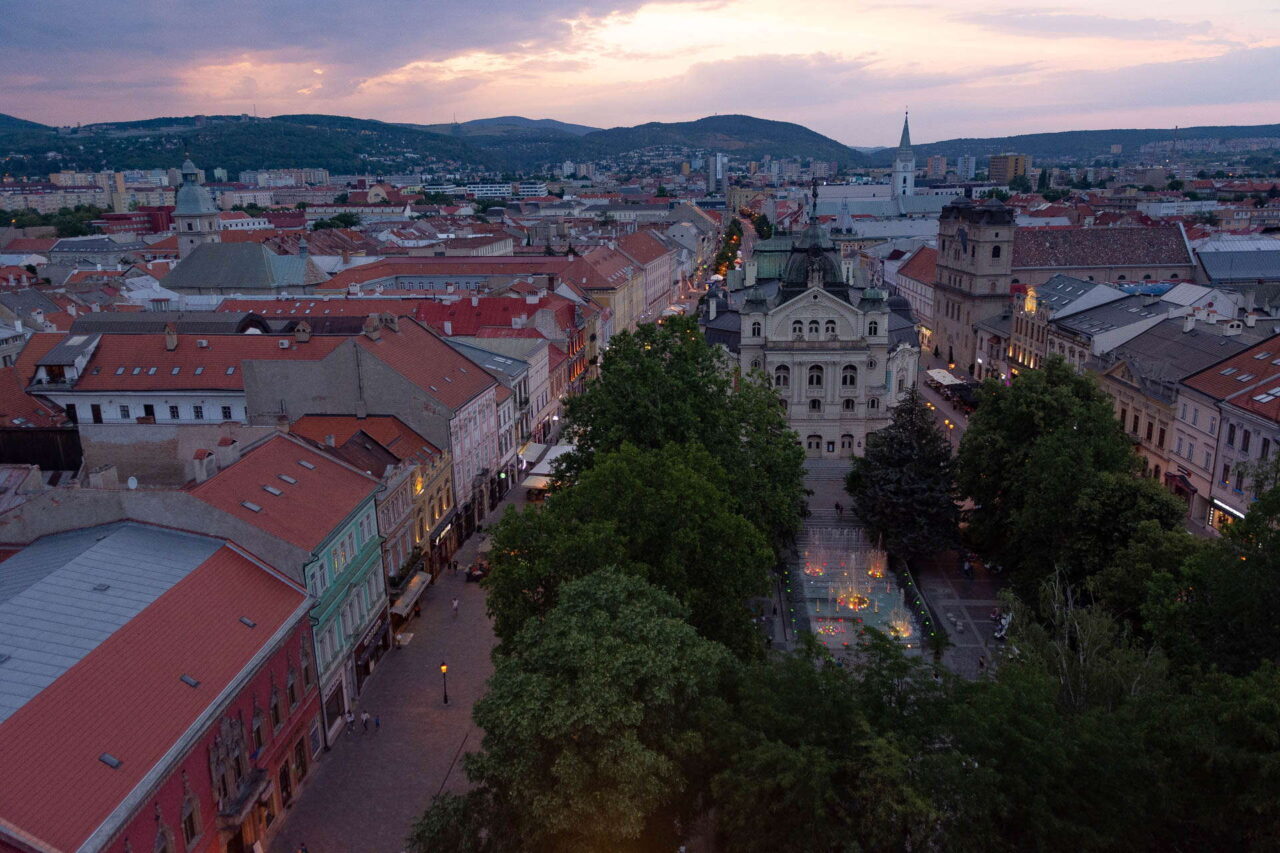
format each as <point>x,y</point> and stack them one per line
<point>444,677</point>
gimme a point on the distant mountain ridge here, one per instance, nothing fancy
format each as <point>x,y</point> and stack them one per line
<point>504,125</point>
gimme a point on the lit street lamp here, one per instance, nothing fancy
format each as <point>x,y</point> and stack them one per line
<point>444,677</point>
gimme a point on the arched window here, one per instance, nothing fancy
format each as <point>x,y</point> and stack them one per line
<point>849,376</point>
<point>995,251</point>
<point>830,328</point>
<point>813,442</point>
<point>815,376</point>
<point>782,376</point>
<point>755,330</point>
<point>846,442</point>
<point>902,380</point>
<point>873,329</point>
<point>813,327</point>
<point>797,328</point>
<point>1121,277</point>
<point>1147,277</point>
<point>850,404</point>
<point>873,403</point>
<point>815,405</point>
<point>755,364</point>
<point>190,820</point>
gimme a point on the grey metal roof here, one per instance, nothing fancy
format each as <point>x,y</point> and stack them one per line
<point>1242,266</point>
<point>241,267</point>
<point>23,302</point>
<point>67,350</point>
<point>1114,315</point>
<point>504,368</point>
<point>1061,290</point>
<point>1164,355</point>
<point>154,322</point>
<point>51,615</point>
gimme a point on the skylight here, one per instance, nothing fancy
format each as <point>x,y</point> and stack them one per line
<point>308,465</point>
<point>199,370</point>
<point>288,479</point>
<point>272,490</point>
<point>119,371</point>
<point>110,760</point>
<point>151,371</point>
<point>1244,377</point>
<point>136,371</point>
<point>174,372</point>
<point>1261,355</point>
<point>189,680</point>
<point>1227,371</point>
<point>247,622</point>
<point>251,506</point>
<point>231,370</point>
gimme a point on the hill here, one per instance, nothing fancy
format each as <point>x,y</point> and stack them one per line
<point>8,123</point>
<point>743,136</point>
<point>507,126</point>
<point>1080,145</point>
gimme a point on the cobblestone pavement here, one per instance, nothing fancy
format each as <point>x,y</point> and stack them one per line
<point>368,790</point>
<point>964,607</point>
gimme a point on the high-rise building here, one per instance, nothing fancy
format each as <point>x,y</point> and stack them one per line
<point>904,164</point>
<point>717,173</point>
<point>935,168</point>
<point>1003,168</point>
<point>966,166</point>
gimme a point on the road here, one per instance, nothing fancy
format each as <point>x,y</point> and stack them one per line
<point>368,790</point>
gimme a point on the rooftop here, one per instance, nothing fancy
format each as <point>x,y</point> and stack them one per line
<point>1161,245</point>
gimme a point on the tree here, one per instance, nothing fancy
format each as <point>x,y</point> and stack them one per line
<point>903,488</point>
<point>1020,184</point>
<point>342,198</point>
<point>302,205</point>
<point>676,529</point>
<point>1028,459</point>
<point>1175,185</point>
<point>595,726</point>
<point>663,384</point>
<point>1042,183</point>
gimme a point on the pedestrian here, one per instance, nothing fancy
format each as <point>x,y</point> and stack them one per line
<point>839,510</point>
<point>417,609</point>
<point>455,607</point>
<point>377,722</point>
<point>982,663</point>
<point>967,569</point>
<point>364,721</point>
<point>351,723</point>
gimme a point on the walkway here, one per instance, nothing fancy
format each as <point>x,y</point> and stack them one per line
<point>369,789</point>
<point>964,605</point>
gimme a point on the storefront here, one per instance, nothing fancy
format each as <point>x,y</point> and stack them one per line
<point>335,704</point>
<point>1221,515</point>
<point>372,646</point>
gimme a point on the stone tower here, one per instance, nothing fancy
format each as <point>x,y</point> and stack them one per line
<point>195,218</point>
<point>904,164</point>
<point>975,245</point>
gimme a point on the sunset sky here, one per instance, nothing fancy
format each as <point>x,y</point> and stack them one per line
<point>843,67</point>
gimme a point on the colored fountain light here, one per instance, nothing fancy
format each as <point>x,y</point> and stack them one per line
<point>814,570</point>
<point>853,600</point>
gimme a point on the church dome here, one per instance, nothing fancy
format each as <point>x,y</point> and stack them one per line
<point>812,249</point>
<point>191,199</point>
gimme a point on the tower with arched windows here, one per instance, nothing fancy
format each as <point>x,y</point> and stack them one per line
<point>195,217</point>
<point>975,245</point>
<point>904,163</point>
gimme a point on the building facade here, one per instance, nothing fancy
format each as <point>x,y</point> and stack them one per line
<point>973,281</point>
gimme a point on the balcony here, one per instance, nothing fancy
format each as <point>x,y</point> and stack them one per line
<point>803,345</point>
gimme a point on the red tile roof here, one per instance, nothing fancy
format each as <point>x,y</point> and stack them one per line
<point>37,347</point>
<point>922,266</point>
<point>17,405</point>
<point>644,247</point>
<point>306,511</point>
<point>340,306</point>
<point>483,265</point>
<point>141,362</point>
<point>422,357</point>
<point>1161,245</point>
<point>29,245</point>
<point>387,430</point>
<point>492,311</point>
<point>1244,376</point>
<point>125,698</point>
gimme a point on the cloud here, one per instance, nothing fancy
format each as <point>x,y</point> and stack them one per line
<point>1057,24</point>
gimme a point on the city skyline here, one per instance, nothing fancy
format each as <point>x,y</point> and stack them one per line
<point>844,70</point>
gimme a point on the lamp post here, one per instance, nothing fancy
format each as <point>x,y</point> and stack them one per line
<point>444,678</point>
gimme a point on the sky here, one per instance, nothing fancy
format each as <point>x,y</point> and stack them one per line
<point>846,68</point>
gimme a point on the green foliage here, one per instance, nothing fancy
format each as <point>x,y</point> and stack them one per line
<point>663,384</point>
<point>67,222</point>
<point>1020,184</point>
<point>1049,471</point>
<point>762,225</point>
<point>903,488</point>
<point>676,529</point>
<point>596,725</point>
<point>345,219</point>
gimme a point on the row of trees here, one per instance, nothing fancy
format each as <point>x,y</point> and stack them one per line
<point>67,222</point>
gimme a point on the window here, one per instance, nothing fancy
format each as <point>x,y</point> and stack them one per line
<point>1195,416</point>
<point>1213,426</point>
<point>276,718</point>
<point>226,413</point>
<point>124,413</point>
<point>1264,449</point>
<point>291,689</point>
<point>1244,441</point>
<point>902,380</point>
<point>1179,448</point>
<point>1160,442</point>
<point>782,376</point>
<point>755,364</point>
<point>797,328</point>
<point>1226,473</point>
<point>850,404</point>
<point>1135,423</point>
<point>849,376</point>
<point>1124,416</point>
<point>815,405</point>
<point>755,330</point>
<point>1231,437</point>
<point>830,328</point>
<point>873,329</point>
<point>190,820</point>
<point>174,414</point>
<point>258,741</point>
<point>846,442</point>
<point>813,328</point>
<point>873,403</point>
<point>995,251</point>
<point>815,376</point>
<point>813,442</point>
<point>197,412</point>
<point>1151,428</point>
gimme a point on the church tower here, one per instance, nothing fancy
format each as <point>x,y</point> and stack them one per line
<point>904,164</point>
<point>195,218</point>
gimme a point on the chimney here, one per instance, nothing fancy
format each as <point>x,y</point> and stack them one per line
<point>1232,328</point>
<point>390,321</point>
<point>475,302</point>
<point>353,290</point>
<point>532,300</point>
<point>226,452</point>
<point>330,441</point>
<point>37,318</point>
<point>372,328</point>
<point>17,324</point>
<point>302,248</point>
<point>448,328</point>
<point>1250,320</point>
<point>99,267</point>
<point>302,332</point>
<point>1188,322</point>
<point>346,258</point>
<point>201,463</point>
<point>170,337</point>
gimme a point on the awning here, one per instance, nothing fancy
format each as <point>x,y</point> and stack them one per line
<point>1178,480</point>
<point>942,377</point>
<point>536,481</point>
<point>1229,510</point>
<point>412,592</point>
<point>546,466</point>
<point>532,452</point>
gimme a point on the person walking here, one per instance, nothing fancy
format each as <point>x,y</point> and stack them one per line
<point>839,510</point>
<point>351,723</point>
<point>364,721</point>
<point>982,664</point>
<point>377,722</point>
<point>455,607</point>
